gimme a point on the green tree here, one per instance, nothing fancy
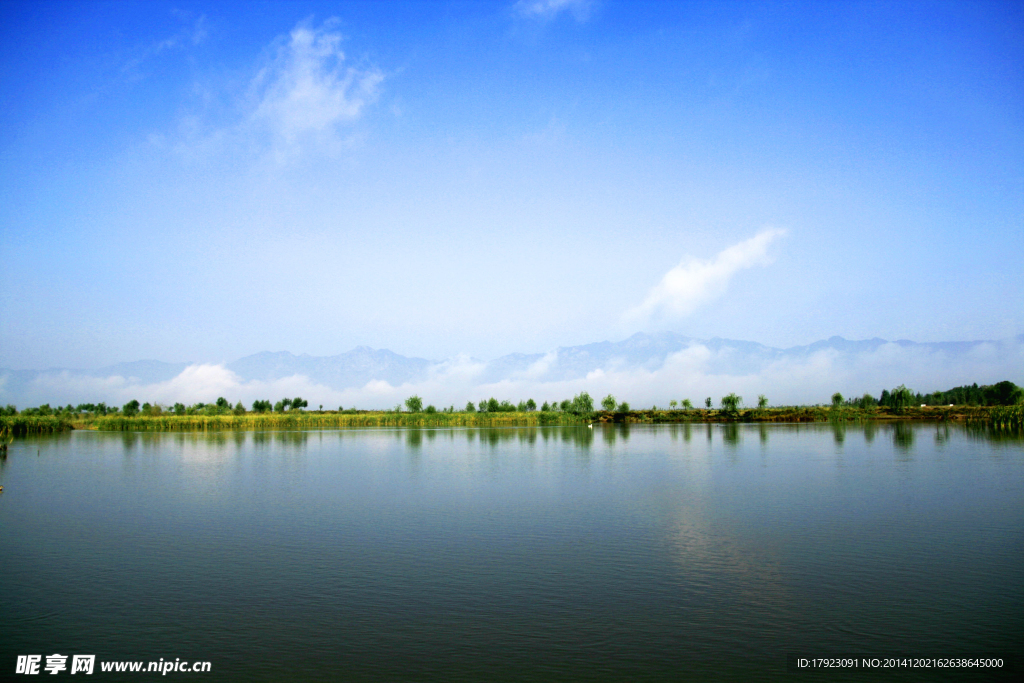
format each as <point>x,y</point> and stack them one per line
<point>672,404</point>
<point>687,404</point>
<point>492,405</point>
<point>298,403</point>
<point>414,404</point>
<point>545,408</point>
<point>239,409</point>
<point>521,407</point>
<point>707,402</point>
<point>1003,393</point>
<point>901,398</point>
<point>731,402</point>
<point>470,408</point>
<point>130,409</point>
<point>179,408</point>
<point>223,405</point>
<point>565,406</point>
<point>609,403</point>
<point>430,410</point>
<point>482,406</point>
<point>582,404</point>
<point>282,405</point>
<point>623,407</point>
<point>762,401</point>
<point>531,405</point>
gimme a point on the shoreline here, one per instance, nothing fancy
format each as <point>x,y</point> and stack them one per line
<point>1000,416</point>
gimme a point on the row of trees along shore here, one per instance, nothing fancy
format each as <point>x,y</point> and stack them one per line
<point>290,412</point>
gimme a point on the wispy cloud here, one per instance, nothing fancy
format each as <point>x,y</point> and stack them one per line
<point>694,282</point>
<point>192,33</point>
<point>302,96</point>
<point>549,9</point>
<point>306,92</point>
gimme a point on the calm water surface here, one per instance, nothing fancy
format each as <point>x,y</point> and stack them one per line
<point>644,553</point>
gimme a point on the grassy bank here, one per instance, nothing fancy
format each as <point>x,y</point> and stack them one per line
<point>25,425</point>
<point>1010,417</point>
<point>808,414</point>
<point>300,421</point>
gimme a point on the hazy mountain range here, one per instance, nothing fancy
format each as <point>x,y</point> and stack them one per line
<point>665,355</point>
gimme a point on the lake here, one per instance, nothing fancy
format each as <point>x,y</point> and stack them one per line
<point>622,552</point>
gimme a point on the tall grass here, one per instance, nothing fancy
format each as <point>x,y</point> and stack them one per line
<point>274,421</point>
<point>1007,417</point>
<point>23,425</point>
<point>18,425</point>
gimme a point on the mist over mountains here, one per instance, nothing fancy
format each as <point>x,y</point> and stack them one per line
<point>645,368</point>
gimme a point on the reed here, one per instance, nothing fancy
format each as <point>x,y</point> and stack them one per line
<point>24,425</point>
<point>794,414</point>
<point>1007,417</point>
<point>301,421</point>
<point>19,425</point>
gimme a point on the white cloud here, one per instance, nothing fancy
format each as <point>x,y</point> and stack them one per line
<point>548,9</point>
<point>695,372</point>
<point>304,96</point>
<point>541,366</point>
<point>694,282</point>
<point>306,92</point>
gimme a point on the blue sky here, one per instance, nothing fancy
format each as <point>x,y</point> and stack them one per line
<point>196,181</point>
